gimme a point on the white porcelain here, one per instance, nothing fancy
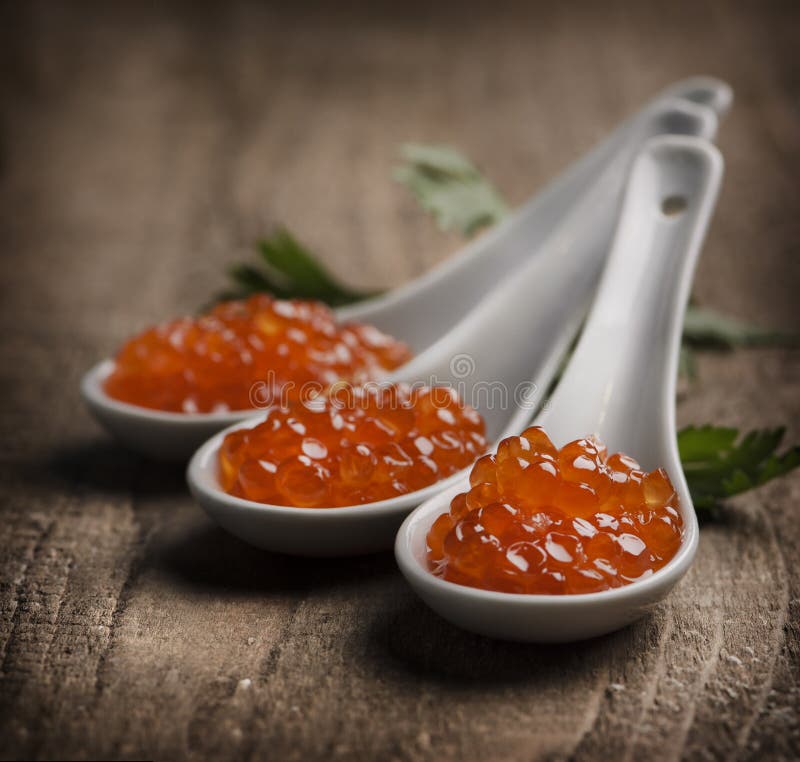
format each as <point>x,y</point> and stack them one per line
<point>620,386</point>
<point>549,292</point>
<point>427,309</point>
<point>348,531</point>
<point>156,433</point>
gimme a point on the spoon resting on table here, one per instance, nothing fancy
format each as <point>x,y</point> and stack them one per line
<point>619,385</point>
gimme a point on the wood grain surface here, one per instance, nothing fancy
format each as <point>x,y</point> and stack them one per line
<point>144,147</point>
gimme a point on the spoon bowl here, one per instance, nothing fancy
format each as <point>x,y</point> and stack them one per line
<point>159,434</point>
<point>429,313</point>
<point>619,386</point>
<point>345,531</point>
<point>532,618</point>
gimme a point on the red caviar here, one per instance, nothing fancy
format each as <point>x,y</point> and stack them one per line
<point>542,520</point>
<point>248,353</point>
<point>353,446</point>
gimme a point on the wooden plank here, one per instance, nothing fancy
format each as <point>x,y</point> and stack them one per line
<point>143,149</point>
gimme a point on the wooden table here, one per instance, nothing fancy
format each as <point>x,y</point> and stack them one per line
<point>144,148</point>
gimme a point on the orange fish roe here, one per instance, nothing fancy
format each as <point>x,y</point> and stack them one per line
<point>247,353</point>
<point>542,520</point>
<point>380,442</point>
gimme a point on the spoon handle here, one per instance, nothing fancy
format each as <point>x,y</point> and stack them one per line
<point>706,91</point>
<point>620,381</point>
<point>516,334</point>
<point>424,309</point>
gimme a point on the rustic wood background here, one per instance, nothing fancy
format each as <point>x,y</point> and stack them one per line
<point>144,147</point>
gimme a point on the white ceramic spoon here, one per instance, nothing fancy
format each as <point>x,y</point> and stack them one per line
<point>517,333</point>
<point>423,311</point>
<point>513,340</point>
<point>619,386</point>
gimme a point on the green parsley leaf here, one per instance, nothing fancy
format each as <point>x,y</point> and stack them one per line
<point>450,187</point>
<point>687,363</point>
<point>287,270</point>
<point>705,328</point>
<point>718,463</point>
<point>250,280</point>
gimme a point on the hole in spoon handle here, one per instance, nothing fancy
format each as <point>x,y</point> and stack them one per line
<point>672,206</point>
<point>620,382</point>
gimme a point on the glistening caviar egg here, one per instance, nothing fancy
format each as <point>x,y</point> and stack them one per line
<point>248,353</point>
<point>353,446</point>
<point>542,520</point>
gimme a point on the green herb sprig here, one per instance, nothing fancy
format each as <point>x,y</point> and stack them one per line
<point>286,269</point>
<point>448,185</point>
<point>708,329</point>
<point>719,463</point>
